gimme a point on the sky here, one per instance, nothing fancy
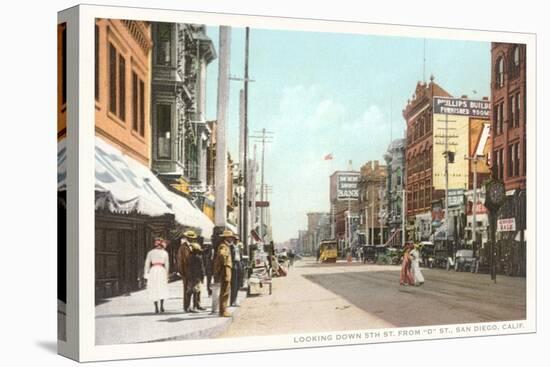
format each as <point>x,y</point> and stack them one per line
<point>329,93</point>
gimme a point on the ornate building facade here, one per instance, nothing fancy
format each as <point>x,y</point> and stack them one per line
<point>395,181</point>
<point>181,136</point>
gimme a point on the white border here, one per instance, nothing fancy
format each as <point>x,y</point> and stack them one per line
<point>88,351</point>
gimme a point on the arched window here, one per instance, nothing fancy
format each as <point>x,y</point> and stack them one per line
<point>515,61</point>
<point>499,72</point>
<point>516,56</point>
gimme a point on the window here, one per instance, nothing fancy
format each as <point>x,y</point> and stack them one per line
<point>164,43</point>
<point>516,161</point>
<point>138,104</point>
<point>511,157</point>
<point>498,118</point>
<point>122,88</point>
<point>96,64</point>
<point>499,75</point>
<point>112,78</point>
<point>135,105</point>
<point>518,108</point>
<point>164,123</point>
<point>501,164</point>
<point>141,108</point>
<point>515,64</point>
<point>64,65</point>
<point>512,111</point>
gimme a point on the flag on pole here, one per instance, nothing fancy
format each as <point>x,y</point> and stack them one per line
<point>328,157</point>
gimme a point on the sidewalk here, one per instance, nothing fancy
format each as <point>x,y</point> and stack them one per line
<point>131,319</point>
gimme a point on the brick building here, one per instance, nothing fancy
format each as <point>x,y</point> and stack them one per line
<point>418,115</point>
<point>372,198</point>
<point>509,156</point>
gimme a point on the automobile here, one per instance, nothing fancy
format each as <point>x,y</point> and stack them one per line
<point>464,260</point>
<point>427,254</point>
<point>369,253</point>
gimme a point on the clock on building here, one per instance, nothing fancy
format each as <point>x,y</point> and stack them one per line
<point>495,194</point>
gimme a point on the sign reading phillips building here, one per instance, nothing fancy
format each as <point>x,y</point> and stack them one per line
<point>462,107</point>
<point>347,186</point>
<point>451,127</point>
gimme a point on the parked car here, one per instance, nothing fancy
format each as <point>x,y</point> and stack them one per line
<point>464,260</point>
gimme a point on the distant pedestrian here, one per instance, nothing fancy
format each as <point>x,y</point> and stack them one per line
<point>291,256</point>
<point>318,253</point>
<point>156,272</point>
<point>196,277</point>
<point>418,278</point>
<point>406,277</point>
<point>222,271</point>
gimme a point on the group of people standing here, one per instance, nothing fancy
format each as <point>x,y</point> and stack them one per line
<point>222,268</point>
<point>410,266</point>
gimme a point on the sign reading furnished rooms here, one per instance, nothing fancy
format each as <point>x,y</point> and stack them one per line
<point>462,107</point>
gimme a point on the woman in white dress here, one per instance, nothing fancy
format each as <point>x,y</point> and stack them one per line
<point>415,266</point>
<point>156,272</point>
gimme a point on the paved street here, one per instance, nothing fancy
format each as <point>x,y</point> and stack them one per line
<point>320,297</point>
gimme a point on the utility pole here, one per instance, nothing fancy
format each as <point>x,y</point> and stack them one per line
<point>243,141</point>
<point>446,154</point>
<point>252,193</point>
<point>221,132</point>
<point>264,138</point>
<point>474,160</point>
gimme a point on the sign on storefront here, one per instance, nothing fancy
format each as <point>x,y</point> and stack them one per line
<point>506,225</point>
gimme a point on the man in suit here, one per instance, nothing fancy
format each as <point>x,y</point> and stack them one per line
<point>184,252</point>
<point>222,270</point>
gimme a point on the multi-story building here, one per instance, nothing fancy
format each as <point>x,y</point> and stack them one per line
<point>344,204</point>
<point>443,134</point>
<point>180,135</point>
<point>122,86</point>
<point>318,228</point>
<point>372,201</point>
<point>418,115</point>
<point>509,141</point>
<point>395,183</point>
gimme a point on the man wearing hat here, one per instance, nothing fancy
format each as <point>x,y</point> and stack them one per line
<point>196,276</point>
<point>184,253</point>
<point>222,270</point>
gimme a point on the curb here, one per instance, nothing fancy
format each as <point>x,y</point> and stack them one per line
<point>208,333</point>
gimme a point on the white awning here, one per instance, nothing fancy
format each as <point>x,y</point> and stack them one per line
<point>61,165</point>
<point>124,185</point>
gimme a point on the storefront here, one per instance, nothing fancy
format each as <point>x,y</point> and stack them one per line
<point>132,207</point>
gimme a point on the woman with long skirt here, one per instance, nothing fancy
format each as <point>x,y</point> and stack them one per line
<point>415,266</point>
<point>406,277</point>
<point>156,272</point>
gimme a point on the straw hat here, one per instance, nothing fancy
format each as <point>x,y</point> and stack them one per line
<point>190,234</point>
<point>196,247</point>
<point>228,234</point>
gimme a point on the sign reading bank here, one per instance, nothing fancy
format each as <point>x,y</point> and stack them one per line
<point>348,186</point>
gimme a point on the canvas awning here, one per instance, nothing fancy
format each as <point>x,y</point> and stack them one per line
<point>124,185</point>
